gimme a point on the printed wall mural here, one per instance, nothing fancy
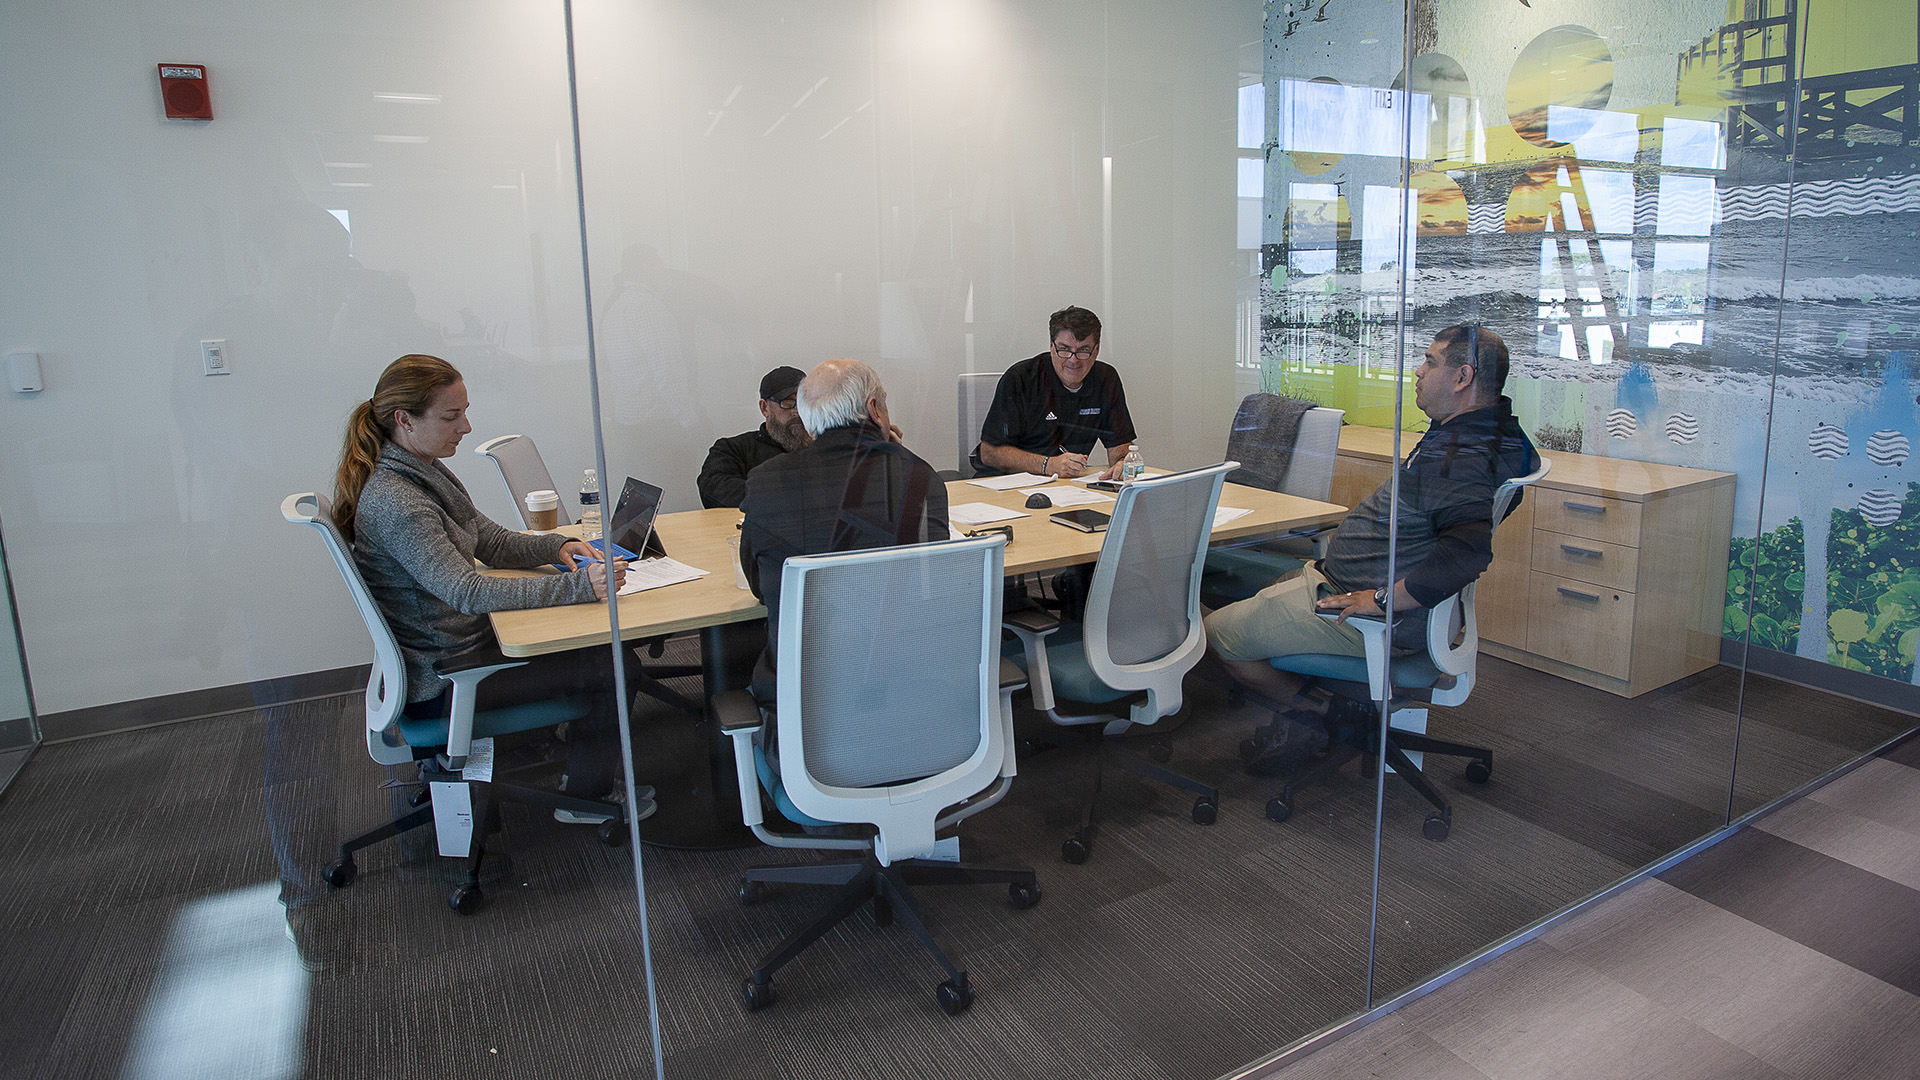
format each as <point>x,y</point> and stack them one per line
<point>1697,223</point>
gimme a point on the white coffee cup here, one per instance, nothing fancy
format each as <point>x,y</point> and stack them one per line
<point>543,510</point>
<point>739,572</point>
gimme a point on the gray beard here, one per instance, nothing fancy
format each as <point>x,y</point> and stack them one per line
<point>791,437</point>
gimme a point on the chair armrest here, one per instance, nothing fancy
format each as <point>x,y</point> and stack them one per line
<point>465,671</point>
<point>736,711</point>
<point>1032,620</point>
<point>1011,677</point>
<point>1373,633</point>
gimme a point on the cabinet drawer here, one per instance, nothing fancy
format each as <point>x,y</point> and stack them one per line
<point>1596,562</point>
<point>1581,624</point>
<point>1595,517</point>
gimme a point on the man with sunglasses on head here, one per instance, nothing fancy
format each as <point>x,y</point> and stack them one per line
<point>1050,409</point>
<point>723,479</point>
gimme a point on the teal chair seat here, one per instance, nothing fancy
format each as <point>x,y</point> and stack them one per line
<point>776,790</point>
<point>1414,670</point>
<point>1067,666</point>
<point>432,730</point>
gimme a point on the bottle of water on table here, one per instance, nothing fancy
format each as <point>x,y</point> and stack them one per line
<point>590,506</point>
<point>1135,466</point>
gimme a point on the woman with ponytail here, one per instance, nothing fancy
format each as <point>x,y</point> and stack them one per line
<point>416,534</point>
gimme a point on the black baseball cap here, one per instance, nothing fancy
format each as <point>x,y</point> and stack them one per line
<point>780,382</point>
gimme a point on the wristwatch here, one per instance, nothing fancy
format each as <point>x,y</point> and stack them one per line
<point>1380,597</point>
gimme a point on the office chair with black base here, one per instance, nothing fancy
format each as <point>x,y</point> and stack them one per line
<point>1140,636</point>
<point>441,745</point>
<point>893,719</point>
<point>1440,673</point>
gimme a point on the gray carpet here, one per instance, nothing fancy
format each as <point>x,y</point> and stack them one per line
<point>1177,951</point>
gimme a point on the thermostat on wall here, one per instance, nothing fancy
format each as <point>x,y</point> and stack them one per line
<point>184,93</point>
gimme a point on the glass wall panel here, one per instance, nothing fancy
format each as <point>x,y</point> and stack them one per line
<point>19,728</point>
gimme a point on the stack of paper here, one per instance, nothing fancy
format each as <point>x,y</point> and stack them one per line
<point>1011,480</point>
<point>655,573</point>
<point>979,513</point>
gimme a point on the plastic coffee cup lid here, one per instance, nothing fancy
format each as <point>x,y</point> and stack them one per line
<point>544,499</point>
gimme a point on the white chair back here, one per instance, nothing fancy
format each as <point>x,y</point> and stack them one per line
<point>522,470</point>
<point>1453,632</point>
<point>890,705</point>
<point>1310,472</point>
<point>387,685</point>
<point>976,391</point>
<point>1142,625</point>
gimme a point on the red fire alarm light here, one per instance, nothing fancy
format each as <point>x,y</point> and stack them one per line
<point>183,90</point>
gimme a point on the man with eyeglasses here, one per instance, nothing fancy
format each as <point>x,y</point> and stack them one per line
<point>723,479</point>
<point>1050,409</point>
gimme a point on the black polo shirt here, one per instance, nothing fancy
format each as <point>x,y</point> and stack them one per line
<point>1035,412</point>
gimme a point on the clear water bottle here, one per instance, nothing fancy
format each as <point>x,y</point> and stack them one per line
<point>1135,466</point>
<point>590,506</point>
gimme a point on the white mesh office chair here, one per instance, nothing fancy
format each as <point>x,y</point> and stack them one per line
<point>440,745</point>
<point>894,713</point>
<point>1141,634</point>
<point>1440,674</point>
<point>522,470</point>
<point>975,392</point>
<point>1305,469</point>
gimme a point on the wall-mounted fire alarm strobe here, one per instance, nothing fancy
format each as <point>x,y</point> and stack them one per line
<point>184,93</point>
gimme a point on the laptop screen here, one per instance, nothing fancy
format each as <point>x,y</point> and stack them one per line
<point>633,515</point>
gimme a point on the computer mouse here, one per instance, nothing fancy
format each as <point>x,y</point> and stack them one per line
<point>1038,501</point>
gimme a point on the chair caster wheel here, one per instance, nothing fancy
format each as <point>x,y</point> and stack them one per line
<point>1205,810</point>
<point>752,892</point>
<point>882,911</point>
<point>613,833</point>
<point>465,899</point>
<point>420,798</point>
<point>1160,752</point>
<point>1479,771</point>
<point>756,995</point>
<point>1076,850</point>
<point>954,996</point>
<point>1435,828</point>
<point>340,874</point>
<point>1022,895</point>
<point>1278,809</point>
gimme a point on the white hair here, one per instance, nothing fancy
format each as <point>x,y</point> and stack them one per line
<point>835,394</point>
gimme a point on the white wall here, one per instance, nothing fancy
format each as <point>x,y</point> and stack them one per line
<point>139,497</point>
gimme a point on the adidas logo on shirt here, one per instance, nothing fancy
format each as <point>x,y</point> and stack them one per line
<point>1050,415</point>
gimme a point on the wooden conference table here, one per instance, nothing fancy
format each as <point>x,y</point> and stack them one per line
<point>717,607</point>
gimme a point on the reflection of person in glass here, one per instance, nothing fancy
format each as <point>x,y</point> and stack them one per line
<point>415,535</point>
<point>855,486</point>
<point>723,479</point>
<point>1445,535</point>
<point>1050,409</point>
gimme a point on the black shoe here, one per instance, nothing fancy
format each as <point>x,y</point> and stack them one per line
<point>1286,746</point>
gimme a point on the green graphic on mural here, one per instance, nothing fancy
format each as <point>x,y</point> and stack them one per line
<point>1772,571</point>
<point>1873,591</point>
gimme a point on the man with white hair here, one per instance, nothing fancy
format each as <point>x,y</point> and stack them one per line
<point>855,486</point>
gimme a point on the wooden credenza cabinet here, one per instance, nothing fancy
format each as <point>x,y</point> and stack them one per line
<point>1611,573</point>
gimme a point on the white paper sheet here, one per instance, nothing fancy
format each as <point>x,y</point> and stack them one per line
<point>479,761</point>
<point>979,513</point>
<point>1012,480</point>
<point>656,573</point>
<point>1224,514</point>
<point>1070,496</point>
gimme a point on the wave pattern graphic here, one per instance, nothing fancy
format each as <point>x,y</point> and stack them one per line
<point>1486,219</point>
<point>1879,506</point>
<point>1700,204</point>
<point>1621,423</point>
<point>1888,448</point>
<point>1682,428</point>
<point>1819,198</point>
<point>1827,442</point>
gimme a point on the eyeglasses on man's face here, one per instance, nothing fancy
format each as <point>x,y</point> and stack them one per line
<point>1085,352</point>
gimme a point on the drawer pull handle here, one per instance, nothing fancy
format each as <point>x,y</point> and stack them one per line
<point>1583,508</point>
<point>1578,595</point>
<point>1584,553</point>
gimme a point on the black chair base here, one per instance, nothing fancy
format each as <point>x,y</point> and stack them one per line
<point>888,888</point>
<point>1399,743</point>
<point>1078,848</point>
<point>467,897</point>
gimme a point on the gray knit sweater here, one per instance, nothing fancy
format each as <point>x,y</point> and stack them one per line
<point>416,534</point>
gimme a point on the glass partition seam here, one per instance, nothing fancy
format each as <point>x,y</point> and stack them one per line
<point>1773,391</point>
<point>613,592</point>
<point>19,644</point>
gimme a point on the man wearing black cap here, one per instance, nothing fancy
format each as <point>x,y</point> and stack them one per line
<point>723,479</point>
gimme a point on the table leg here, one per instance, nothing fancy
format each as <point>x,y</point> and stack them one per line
<point>700,802</point>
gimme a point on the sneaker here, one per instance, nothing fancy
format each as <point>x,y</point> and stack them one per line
<point>1283,750</point>
<point>642,810</point>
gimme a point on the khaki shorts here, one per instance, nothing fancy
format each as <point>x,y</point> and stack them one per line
<point>1279,620</point>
